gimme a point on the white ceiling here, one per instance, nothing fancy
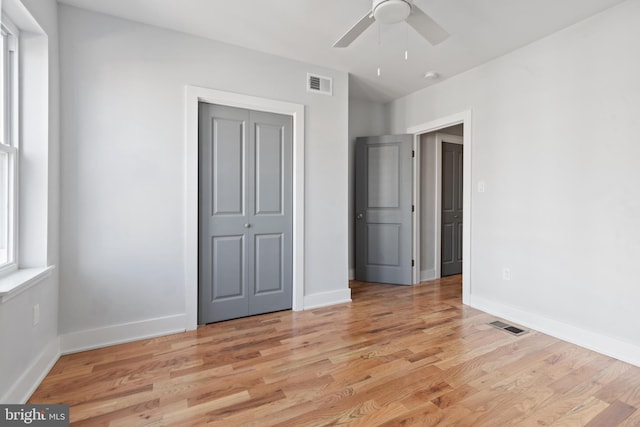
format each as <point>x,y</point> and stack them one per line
<point>305,30</point>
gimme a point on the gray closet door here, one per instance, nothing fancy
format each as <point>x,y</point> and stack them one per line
<point>246,203</point>
<point>383,208</point>
<point>451,256</point>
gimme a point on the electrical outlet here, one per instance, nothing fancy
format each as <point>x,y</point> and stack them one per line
<point>36,314</point>
<point>506,274</point>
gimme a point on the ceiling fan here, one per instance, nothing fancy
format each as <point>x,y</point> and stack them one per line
<point>394,11</point>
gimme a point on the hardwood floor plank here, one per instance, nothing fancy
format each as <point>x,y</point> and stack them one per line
<point>198,414</point>
<point>425,415</point>
<point>582,414</point>
<point>632,421</point>
<point>616,413</point>
<point>561,403</point>
<point>395,356</point>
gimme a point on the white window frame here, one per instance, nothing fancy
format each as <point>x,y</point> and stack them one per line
<point>9,143</point>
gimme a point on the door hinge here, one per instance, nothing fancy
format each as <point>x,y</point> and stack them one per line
<point>413,153</point>
<point>413,208</point>
<point>413,263</point>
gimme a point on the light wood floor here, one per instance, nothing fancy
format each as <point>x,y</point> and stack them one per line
<point>395,356</point>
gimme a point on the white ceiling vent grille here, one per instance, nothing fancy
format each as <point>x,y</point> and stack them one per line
<point>319,84</point>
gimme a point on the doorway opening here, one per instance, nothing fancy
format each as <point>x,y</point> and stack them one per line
<point>427,221</point>
<point>441,207</point>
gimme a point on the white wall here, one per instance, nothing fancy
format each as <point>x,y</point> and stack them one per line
<point>366,118</point>
<point>554,136</point>
<point>29,351</point>
<point>123,183</point>
<point>428,227</point>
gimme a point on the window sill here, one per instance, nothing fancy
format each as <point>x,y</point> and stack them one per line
<point>20,280</point>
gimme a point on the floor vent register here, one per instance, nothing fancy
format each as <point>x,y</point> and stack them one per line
<point>509,328</point>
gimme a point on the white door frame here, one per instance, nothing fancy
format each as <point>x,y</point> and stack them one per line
<point>432,126</point>
<point>193,95</point>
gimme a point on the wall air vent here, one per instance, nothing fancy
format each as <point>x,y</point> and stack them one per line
<point>319,84</point>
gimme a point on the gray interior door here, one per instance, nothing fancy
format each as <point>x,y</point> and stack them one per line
<point>383,207</point>
<point>451,256</point>
<point>245,220</point>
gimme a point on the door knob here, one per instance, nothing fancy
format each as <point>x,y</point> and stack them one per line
<point>360,216</point>
<point>247,226</point>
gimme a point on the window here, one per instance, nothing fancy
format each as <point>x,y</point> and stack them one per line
<point>8,145</point>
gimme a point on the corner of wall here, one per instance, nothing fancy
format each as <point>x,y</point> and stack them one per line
<point>23,388</point>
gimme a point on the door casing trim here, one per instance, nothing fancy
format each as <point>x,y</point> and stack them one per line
<point>193,95</point>
<point>465,118</point>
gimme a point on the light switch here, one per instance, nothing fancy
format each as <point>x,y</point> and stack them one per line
<point>481,186</point>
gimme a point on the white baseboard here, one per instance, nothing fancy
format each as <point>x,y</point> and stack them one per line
<point>603,344</point>
<point>24,387</point>
<point>352,274</point>
<point>427,275</point>
<point>327,298</point>
<point>118,334</point>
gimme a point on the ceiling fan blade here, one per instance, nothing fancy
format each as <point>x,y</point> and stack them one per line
<point>427,27</point>
<point>355,31</point>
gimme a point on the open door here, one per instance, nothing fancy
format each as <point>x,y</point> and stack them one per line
<point>451,216</point>
<point>383,208</point>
